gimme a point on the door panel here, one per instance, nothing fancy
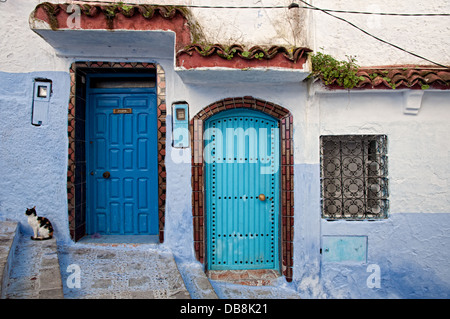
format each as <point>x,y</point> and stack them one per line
<point>125,146</point>
<point>241,163</point>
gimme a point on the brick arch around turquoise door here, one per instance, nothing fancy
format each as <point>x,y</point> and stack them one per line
<point>284,119</point>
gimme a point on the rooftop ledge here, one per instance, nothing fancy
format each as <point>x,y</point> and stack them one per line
<point>222,75</point>
<point>200,64</point>
<point>151,32</point>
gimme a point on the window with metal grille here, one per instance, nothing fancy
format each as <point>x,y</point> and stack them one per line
<point>354,177</point>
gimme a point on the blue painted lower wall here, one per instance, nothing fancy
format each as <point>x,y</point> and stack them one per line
<point>409,249</point>
<point>407,254</point>
<point>33,159</point>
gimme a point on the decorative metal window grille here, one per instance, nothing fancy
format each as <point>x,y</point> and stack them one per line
<point>354,183</point>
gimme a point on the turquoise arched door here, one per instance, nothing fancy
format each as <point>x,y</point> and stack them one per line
<point>241,156</point>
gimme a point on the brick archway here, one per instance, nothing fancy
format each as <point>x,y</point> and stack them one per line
<point>286,164</point>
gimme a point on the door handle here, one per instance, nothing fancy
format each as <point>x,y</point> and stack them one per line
<point>263,197</point>
<point>106,175</point>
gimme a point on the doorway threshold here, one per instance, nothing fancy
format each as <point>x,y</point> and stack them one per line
<point>247,277</point>
<point>120,239</point>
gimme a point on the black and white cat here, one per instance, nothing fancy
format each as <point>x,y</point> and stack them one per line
<point>42,227</point>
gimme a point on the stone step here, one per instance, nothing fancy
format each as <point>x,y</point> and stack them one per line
<point>122,271</point>
<point>35,271</point>
<point>248,277</point>
<point>8,240</point>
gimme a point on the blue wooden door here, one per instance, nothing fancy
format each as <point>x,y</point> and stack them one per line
<point>122,180</point>
<point>242,190</point>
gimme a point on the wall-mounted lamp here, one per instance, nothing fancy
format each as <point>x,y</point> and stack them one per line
<point>180,124</point>
<point>41,100</point>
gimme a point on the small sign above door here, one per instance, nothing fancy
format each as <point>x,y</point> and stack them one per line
<point>122,111</point>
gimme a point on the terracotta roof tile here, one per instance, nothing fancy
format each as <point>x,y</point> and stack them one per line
<point>401,77</point>
<point>219,56</point>
<point>404,77</point>
<point>93,10</point>
<point>177,19</point>
<point>255,52</point>
<point>124,17</point>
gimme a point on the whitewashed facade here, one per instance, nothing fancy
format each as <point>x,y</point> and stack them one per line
<point>404,255</point>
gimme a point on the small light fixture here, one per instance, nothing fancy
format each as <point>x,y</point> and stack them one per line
<point>41,101</point>
<point>293,5</point>
<point>180,124</point>
<point>181,114</point>
<point>42,91</point>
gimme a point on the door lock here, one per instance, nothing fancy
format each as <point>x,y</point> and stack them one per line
<point>106,175</point>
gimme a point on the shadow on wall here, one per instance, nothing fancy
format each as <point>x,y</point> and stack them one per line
<point>178,228</point>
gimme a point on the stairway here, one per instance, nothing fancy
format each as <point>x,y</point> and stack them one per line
<point>30,269</point>
<point>8,242</point>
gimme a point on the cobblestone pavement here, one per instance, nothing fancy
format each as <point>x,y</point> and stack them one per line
<point>43,269</point>
<point>128,272</point>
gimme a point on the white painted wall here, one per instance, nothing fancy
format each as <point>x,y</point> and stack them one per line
<point>418,149</point>
<point>419,152</point>
<point>417,143</point>
<point>24,51</point>
<point>426,36</point>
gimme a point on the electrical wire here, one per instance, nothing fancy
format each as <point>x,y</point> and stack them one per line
<point>190,5</point>
<point>292,5</point>
<point>311,7</point>
<point>375,37</point>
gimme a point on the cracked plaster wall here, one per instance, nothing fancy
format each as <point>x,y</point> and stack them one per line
<point>249,27</point>
<point>426,36</point>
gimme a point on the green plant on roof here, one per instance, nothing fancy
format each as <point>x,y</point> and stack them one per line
<point>110,11</point>
<point>148,11</point>
<point>205,50</point>
<point>126,8</point>
<point>51,14</point>
<point>330,70</point>
<point>226,53</point>
<point>245,54</point>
